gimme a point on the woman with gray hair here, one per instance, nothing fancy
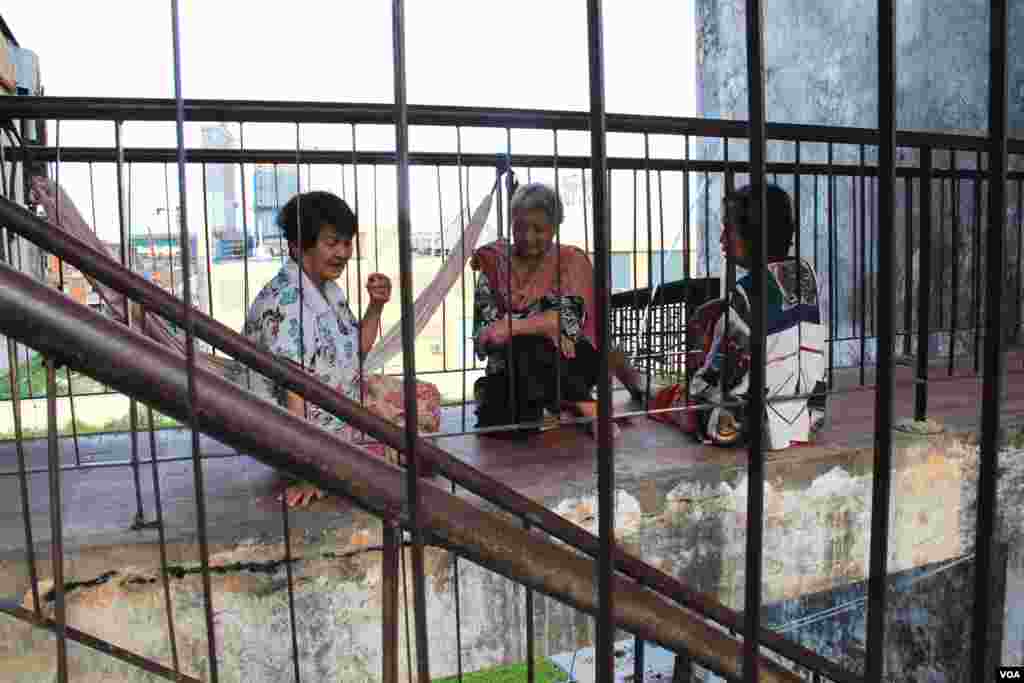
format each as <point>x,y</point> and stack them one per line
<point>534,319</point>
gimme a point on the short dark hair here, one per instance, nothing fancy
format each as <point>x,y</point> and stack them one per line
<point>310,211</point>
<point>739,211</point>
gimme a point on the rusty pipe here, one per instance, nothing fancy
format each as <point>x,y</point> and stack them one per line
<point>48,321</point>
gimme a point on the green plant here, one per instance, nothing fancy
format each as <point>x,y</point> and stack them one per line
<point>546,672</point>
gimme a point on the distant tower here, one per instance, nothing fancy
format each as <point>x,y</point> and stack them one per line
<point>273,186</point>
<point>222,203</point>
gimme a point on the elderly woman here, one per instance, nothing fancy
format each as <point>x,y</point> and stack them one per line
<point>303,315</point>
<point>534,319</point>
<point>796,334</point>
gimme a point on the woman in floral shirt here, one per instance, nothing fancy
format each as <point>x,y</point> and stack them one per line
<point>303,316</point>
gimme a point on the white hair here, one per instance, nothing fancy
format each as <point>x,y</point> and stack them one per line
<point>540,196</point>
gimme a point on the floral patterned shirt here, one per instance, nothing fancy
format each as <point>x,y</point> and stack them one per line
<point>486,311</point>
<point>322,336</point>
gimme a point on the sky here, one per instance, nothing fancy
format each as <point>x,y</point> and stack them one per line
<point>526,54</point>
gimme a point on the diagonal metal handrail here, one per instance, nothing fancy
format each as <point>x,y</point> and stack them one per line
<point>89,342</point>
<point>93,264</point>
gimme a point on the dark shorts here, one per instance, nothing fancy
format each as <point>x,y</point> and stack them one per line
<point>534,376</point>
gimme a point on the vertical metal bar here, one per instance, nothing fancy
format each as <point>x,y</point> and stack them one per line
<point>908,263</point>
<point>291,588</point>
<point>707,224</point>
<point>190,351</point>
<point>206,231</point>
<point>167,214</point>
<point>882,473</point>
<point>863,297</point>
<point>832,267</point>
<point>976,258</point>
<point>277,208</point>
<point>638,659</point>
<point>939,304</point>
<point>687,255</point>
<point>531,674</point>
<point>56,523</point>
<point>558,271</point>
<point>458,601</point>
<point>586,232</point>
<point>161,533</point>
<point>19,444</point>
<point>924,280</point>
<point>954,325</point>
<point>682,669</point>
<point>817,222</point>
<point>981,658</point>
<point>1020,257</point>
<point>463,344</point>
<point>389,601</point>
<point>605,641</point>
<point>126,261</point>
<point>405,593</point>
<point>444,302</point>
<point>408,334</point>
<point>648,324</point>
<point>756,407</point>
<point>359,261</point>
<point>60,271</point>
<point>245,223</point>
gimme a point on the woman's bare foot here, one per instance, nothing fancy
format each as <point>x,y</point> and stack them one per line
<point>301,494</point>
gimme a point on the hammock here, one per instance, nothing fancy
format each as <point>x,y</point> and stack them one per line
<point>69,221</point>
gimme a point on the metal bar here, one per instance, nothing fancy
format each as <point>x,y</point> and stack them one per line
<point>26,511</point>
<point>154,467</point>
<point>206,230</point>
<point>908,265</point>
<point>56,523</point>
<point>458,611</point>
<point>463,343</point>
<point>982,658</point>
<point>976,299</point>
<point>940,312</point>
<point>759,285</point>
<point>389,602</point>
<point>405,594</point>
<point>863,293</point>
<point>882,471</point>
<point>954,284</point>
<point>924,280</point>
<point>60,271</point>
<point>531,674</point>
<point>833,266</point>
<point>245,226</point>
<point>648,344</point>
<point>444,256</point>
<point>289,376</point>
<point>155,109</point>
<point>96,644</point>
<point>293,622</point>
<point>190,351</point>
<point>151,155</point>
<point>124,227</point>
<point>401,121</point>
<point>15,387</point>
<point>130,363</point>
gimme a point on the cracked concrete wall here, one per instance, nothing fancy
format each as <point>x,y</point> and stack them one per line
<point>690,523</point>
